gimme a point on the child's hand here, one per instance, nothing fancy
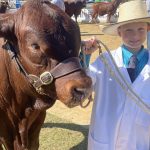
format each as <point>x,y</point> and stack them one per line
<point>89,46</point>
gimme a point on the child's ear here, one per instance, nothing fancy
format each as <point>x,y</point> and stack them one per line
<point>118,31</point>
<point>148,26</point>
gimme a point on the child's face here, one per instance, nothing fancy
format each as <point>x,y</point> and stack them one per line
<point>133,35</point>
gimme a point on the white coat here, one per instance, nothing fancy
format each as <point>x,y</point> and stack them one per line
<point>117,123</point>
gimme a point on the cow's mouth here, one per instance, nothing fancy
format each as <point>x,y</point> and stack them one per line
<point>79,93</point>
<point>44,103</point>
<point>79,96</point>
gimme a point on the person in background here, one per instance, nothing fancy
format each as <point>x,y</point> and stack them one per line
<point>59,3</point>
<point>18,4</point>
<point>117,121</point>
<point>148,32</point>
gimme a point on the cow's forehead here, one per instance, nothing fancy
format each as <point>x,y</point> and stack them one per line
<point>45,22</point>
<point>39,15</point>
<point>43,16</point>
<point>47,27</point>
<point>49,21</point>
<point>38,33</point>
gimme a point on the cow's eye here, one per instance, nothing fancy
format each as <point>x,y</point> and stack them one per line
<point>35,46</point>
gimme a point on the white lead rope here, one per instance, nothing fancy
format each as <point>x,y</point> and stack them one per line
<point>125,86</point>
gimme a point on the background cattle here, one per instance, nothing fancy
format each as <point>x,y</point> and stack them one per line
<point>3,6</point>
<point>103,8</point>
<point>74,7</point>
<point>38,64</point>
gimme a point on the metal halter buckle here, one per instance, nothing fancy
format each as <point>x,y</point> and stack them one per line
<point>46,78</point>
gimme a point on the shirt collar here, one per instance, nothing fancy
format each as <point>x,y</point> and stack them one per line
<point>127,54</point>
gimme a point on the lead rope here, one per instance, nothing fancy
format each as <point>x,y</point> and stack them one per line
<point>125,86</point>
<point>84,67</point>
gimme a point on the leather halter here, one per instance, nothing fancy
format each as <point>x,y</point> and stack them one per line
<point>65,67</point>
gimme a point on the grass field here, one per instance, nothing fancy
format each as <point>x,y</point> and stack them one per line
<point>61,134</point>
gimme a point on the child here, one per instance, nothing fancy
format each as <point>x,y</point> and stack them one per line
<point>117,122</point>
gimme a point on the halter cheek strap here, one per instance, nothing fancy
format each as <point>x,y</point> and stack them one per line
<point>64,68</point>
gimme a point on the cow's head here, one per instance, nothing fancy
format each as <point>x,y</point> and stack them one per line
<point>46,43</point>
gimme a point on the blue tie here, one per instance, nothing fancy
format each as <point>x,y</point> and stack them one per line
<point>132,66</point>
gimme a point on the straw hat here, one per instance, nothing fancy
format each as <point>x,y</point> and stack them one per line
<point>129,12</point>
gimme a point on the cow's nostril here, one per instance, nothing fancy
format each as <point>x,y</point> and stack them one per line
<point>79,93</point>
<point>80,90</point>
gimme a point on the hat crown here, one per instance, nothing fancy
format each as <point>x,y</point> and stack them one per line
<point>132,10</point>
<point>129,12</point>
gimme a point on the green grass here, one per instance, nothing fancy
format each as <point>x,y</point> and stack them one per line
<point>60,134</point>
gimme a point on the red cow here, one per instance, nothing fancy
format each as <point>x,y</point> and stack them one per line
<point>38,64</point>
<point>74,7</point>
<point>103,8</point>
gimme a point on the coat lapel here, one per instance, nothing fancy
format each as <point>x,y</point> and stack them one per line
<point>144,74</point>
<point>119,62</point>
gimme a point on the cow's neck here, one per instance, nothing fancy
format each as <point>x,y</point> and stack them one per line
<point>20,115</point>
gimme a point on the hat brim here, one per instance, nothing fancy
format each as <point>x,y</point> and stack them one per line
<point>112,28</point>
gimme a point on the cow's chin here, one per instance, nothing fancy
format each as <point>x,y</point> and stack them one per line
<point>74,103</point>
<point>71,103</point>
<point>74,100</point>
<point>43,103</point>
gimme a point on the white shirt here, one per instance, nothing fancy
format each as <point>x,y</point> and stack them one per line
<point>59,3</point>
<point>117,123</point>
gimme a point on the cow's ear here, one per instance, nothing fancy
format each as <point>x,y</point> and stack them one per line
<point>7,26</point>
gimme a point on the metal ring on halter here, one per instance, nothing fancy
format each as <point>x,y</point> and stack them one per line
<point>46,78</point>
<point>89,99</point>
<point>87,104</point>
